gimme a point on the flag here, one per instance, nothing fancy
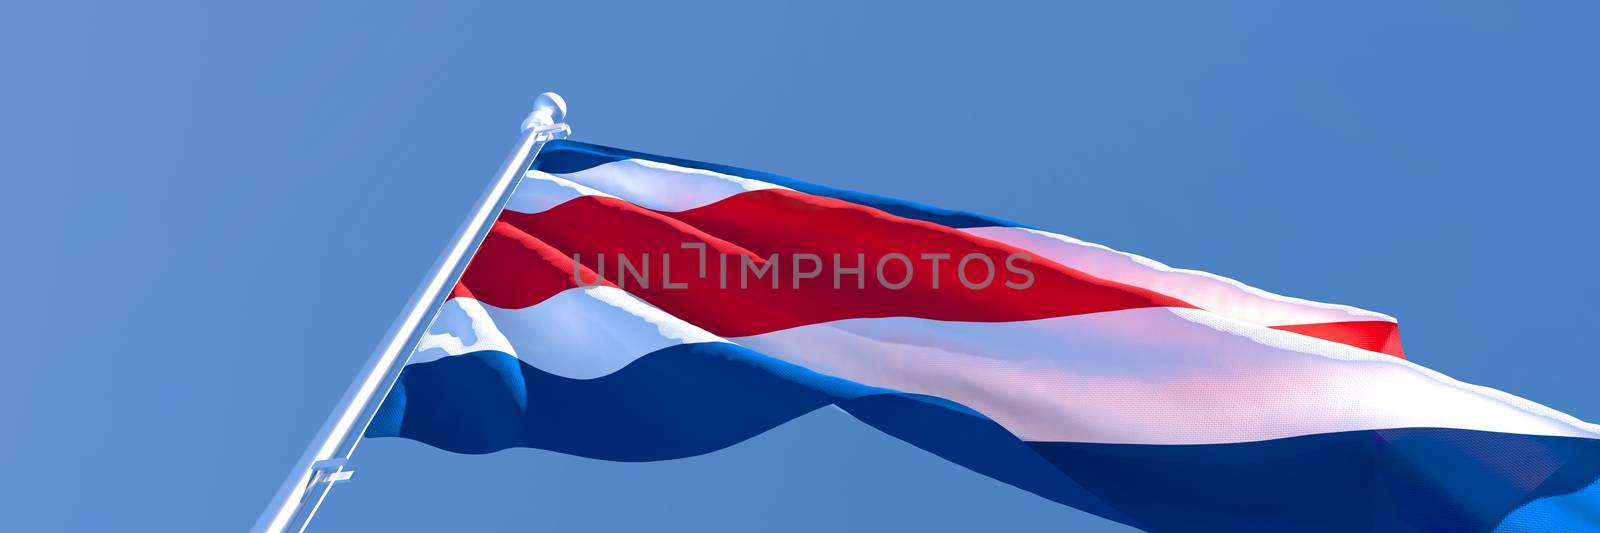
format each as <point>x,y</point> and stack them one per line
<point>632,307</point>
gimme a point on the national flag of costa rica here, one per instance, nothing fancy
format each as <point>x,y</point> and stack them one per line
<point>632,307</point>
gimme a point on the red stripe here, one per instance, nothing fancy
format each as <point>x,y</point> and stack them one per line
<point>1375,335</point>
<point>528,257</point>
<point>516,269</point>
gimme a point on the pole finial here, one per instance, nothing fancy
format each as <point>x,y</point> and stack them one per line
<point>549,109</point>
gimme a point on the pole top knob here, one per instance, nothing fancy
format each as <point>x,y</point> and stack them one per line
<point>549,109</point>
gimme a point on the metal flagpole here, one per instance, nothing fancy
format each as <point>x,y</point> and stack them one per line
<point>323,463</point>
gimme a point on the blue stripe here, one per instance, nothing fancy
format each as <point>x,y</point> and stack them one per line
<point>1416,479</point>
<point>563,157</point>
<point>696,398</point>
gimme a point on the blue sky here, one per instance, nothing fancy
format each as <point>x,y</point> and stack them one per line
<point>209,214</point>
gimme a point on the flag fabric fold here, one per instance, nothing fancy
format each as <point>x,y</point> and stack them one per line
<point>632,307</point>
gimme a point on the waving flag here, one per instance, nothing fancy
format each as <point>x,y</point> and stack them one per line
<point>632,307</point>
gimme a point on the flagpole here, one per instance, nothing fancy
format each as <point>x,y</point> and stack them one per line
<point>323,463</point>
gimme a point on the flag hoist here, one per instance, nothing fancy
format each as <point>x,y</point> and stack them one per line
<point>324,462</point>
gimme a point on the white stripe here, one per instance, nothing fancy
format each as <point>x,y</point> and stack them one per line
<point>1220,295</point>
<point>578,333</point>
<point>1154,376</point>
<point>540,191</point>
<point>1138,376</point>
<point>462,326</point>
<point>661,186</point>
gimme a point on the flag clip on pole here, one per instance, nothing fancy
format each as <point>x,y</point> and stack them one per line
<point>323,463</point>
